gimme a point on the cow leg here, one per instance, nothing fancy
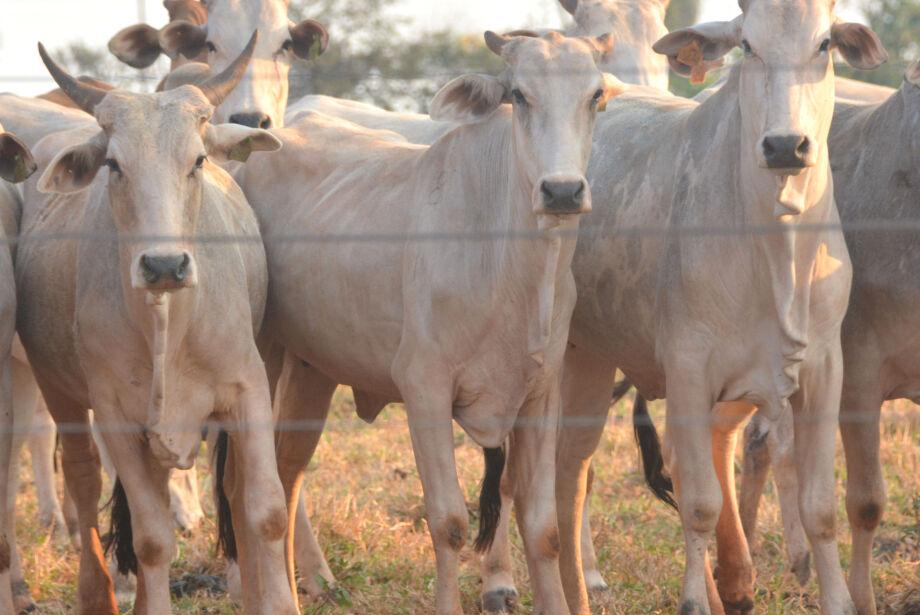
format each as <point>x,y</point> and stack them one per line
<point>594,580</point>
<point>81,465</point>
<point>184,500</point>
<point>257,501</point>
<point>7,513</point>
<point>532,468</point>
<point>816,407</point>
<point>302,399</point>
<point>70,518</point>
<point>24,399</point>
<point>859,428</point>
<point>427,393</point>
<point>780,441</point>
<point>754,474</point>
<point>145,482</point>
<point>699,495</point>
<point>736,570</point>
<point>42,441</point>
<point>499,595</point>
<point>586,385</point>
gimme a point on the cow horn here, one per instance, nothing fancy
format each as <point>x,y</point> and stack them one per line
<point>85,95</point>
<point>218,87</point>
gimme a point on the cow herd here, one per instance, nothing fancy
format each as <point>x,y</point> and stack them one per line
<point>208,257</point>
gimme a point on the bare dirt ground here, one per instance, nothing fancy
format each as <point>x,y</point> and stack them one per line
<point>367,507</point>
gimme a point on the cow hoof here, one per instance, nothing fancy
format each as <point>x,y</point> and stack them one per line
<point>22,598</point>
<point>595,582</point>
<point>502,600</point>
<point>802,569</point>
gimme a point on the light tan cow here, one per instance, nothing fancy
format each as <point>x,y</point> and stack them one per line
<point>16,164</point>
<point>124,323</point>
<point>720,324</point>
<point>473,332</point>
<point>875,155</point>
<point>261,98</point>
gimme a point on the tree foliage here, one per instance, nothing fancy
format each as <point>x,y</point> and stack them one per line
<point>897,22</point>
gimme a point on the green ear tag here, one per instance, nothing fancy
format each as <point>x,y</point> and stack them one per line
<point>241,151</point>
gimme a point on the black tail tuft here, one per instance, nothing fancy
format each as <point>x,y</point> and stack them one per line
<point>620,389</point>
<point>121,537</point>
<point>650,447</point>
<point>490,497</point>
<point>226,538</point>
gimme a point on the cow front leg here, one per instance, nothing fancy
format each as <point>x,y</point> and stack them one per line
<point>428,398</point>
<point>816,407</point>
<point>865,498</point>
<point>41,449</point>
<point>585,402</point>
<point>532,468</point>
<point>145,483</point>
<point>258,503</point>
<point>780,441</point>
<point>754,474</point>
<point>302,399</point>
<point>699,496</point>
<point>594,580</point>
<point>736,570</point>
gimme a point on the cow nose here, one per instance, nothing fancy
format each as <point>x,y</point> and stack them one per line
<point>563,196</point>
<point>786,151</point>
<point>170,268</point>
<point>253,120</point>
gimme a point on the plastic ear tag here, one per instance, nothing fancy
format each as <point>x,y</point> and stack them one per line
<point>692,56</point>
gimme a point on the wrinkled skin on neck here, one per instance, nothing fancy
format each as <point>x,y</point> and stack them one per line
<point>636,24</point>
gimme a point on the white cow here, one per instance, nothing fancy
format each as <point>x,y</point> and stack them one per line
<point>453,329</point>
<point>16,164</point>
<point>718,324</point>
<point>261,98</point>
<point>875,150</point>
<point>127,323</point>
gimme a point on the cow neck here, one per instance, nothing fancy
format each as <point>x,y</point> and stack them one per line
<point>535,265</point>
<point>784,259</point>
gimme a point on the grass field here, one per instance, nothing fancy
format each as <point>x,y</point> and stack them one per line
<point>368,510</point>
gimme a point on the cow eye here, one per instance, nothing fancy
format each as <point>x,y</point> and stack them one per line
<point>825,46</point>
<point>287,45</point>
<point>597,96</point>
<point>113,165</point>
<point>199,162</point>
<point>518,97</point>
<point>746,47</point>
<point>210,46</point>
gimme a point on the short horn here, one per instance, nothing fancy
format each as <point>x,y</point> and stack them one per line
<point>218,87</point>
<point>85,95</point>
<point>495,42</point>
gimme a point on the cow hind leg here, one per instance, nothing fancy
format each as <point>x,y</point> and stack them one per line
<point>754,474</point>
<point>499,595</point>
<point>42,444</point>
<point>594,580</point>
<point>736,570</point>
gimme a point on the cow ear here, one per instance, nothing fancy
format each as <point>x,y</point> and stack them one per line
<point>137,46</point>
<point>225,142</point>
<point>912,74</point>
<point>570,6</point>
<point>613,87</point>
<point>695,50</point>
<point>468,99</point>
<point>859,45</point>
<point>309,39</point>
<point>16,163</point>
<point>183,37</point>
<point>74,167</point>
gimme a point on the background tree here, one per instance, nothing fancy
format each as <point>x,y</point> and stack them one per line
<point>897,22</point>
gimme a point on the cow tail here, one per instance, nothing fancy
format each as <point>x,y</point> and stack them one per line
<point>226,538</point>
<point>650,448</point>
<point>121,538</point>
<point>490,497</point>
<point>620,389</point>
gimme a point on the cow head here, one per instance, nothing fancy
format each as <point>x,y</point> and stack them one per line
<point>260,100</point>
<point>555,89</point>
<point>636,25</point>
<point>155,149</point>
<point>786,82</point>
<point>16,163</point>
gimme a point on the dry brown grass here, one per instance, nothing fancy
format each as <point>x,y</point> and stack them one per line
<point>367,507</point>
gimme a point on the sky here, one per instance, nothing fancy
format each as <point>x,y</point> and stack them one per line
<point>58,22</point>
